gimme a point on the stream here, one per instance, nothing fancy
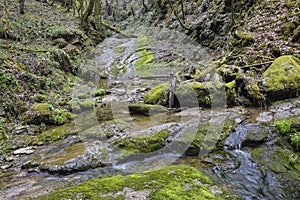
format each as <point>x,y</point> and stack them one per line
<point>132,67</point>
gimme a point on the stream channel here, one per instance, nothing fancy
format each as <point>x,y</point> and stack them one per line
<point>247,160</point>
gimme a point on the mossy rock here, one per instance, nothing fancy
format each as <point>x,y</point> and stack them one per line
<point>287,29</point>
<point>193,94</point>
<point>278,160</point>
<point>145,109</point>
<point>104,113</point>
<point>157,95</point>
<point>144,144</point>
<point>282,79</point>
<point>231,94</point>
<point>172,182</point>
<point>40,112</point>
<point>243,39</point>
<point>210,143</point>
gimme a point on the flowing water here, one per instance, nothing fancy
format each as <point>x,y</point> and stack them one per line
<point>231,165</point>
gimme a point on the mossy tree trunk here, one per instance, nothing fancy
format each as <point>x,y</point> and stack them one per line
<point>87,14</point>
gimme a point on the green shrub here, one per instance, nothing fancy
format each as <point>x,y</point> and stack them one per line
<point>284,126</point>
<point>61,116</point>
<point>295,140</point>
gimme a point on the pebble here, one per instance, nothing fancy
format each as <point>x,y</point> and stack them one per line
<point>26,150</point>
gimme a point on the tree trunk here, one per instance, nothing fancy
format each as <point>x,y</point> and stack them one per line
<point>22,6</point>
<point>88,13</point>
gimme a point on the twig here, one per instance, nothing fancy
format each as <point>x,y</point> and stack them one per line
<point>256,64</point>
<point>177,17</point>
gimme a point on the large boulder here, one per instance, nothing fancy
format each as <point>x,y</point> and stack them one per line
<point>282,79</point>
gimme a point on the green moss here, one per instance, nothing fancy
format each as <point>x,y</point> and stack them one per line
<point>283,76</point>
<point>193,94</point>
<point>41,109</point>
<point>53,134</point>
<point>61,116</point>
<point>87,104</point>
<point>157,95</point>
<point>295,140</point>
<point>230,92</point>
<point>211,142</point>
<point>287,29</point>
<point>144,58</point>
<point>256,153</point>
<point>119,49</point>
<point>104,113</point>
<point>283,126</point>
<point>69,153</point>
<point>167,183</point>
<point>145,109</point>
<point>99,92</point>
<point>244,39</point>
<point>144,144</point>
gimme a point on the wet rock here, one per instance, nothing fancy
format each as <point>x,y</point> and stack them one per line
<point>247,135</point>
<point>26,150</point>
<point>7,166</point>
<point>39,112</point>
<point>157,95</point>
<point>256,134</point>
<point>146,109</point>
<point>21,129</point>
<point>30,164</point>
<point>265,117</point>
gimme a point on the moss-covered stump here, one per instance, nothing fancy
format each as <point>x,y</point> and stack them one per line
<point>282,79</point>
<point>173,182</point>
<point>157,95</point>
<point>143,144</point>
<point>145,109</point>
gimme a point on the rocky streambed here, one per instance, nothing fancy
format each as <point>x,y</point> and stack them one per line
<point>142,130</point>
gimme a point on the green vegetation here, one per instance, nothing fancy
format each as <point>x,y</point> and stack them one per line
<point>167,183</point>
<point>99,92</point>
<point>282,77</point>
<point>144,144</point>
<point>295,140</point>
<point>145,109</point>
<point>284,126</point>
<point>157,95</point>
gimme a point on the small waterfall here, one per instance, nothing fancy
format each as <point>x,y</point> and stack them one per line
<point>235,140</point>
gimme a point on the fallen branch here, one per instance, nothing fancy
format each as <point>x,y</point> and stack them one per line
<point>257,64</point>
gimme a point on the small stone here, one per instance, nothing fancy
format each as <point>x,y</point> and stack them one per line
<point>215,190</point>
<point>265,117</point>
<point>6,166</point>
<point>27,150</point>
<point>21,129</point>
<point>9,159</point>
